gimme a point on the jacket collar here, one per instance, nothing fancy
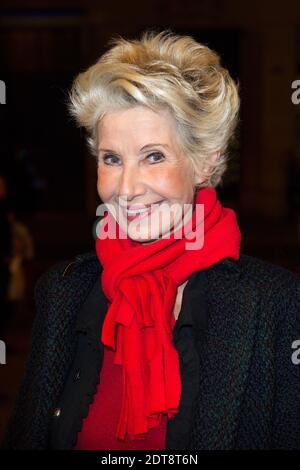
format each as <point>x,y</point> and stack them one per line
<point>193,296</point>
<point>93,311</point>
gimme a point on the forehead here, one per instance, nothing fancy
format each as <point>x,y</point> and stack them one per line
<point>137,121</point>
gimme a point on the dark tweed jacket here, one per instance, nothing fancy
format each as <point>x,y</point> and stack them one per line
<point>249,392</point>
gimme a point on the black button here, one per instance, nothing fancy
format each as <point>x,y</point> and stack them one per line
<point>56,412</point>
<point>77,375</point>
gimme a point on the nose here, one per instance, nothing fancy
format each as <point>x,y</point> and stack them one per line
<point>130,183</point>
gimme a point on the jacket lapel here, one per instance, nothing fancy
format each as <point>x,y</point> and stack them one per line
<point>225,353</point>
<point>69,290</point>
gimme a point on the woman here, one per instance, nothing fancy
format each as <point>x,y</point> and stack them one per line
<point>165,337</point>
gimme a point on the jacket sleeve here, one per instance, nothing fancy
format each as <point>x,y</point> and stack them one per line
<point>286,423</point>
<point>27,426</point>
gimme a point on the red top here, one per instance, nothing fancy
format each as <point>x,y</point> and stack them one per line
<point>100,426</point>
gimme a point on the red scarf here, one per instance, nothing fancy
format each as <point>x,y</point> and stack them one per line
<point>140,282</point>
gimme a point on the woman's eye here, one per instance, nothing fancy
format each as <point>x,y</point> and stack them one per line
<point>106,159</point>
<point>157,157</point>
<point>113,159</point>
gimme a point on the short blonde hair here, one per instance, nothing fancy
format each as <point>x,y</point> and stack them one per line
<point>164,70</point>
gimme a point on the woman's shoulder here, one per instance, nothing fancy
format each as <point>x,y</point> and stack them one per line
<point>253,286</point>
<point>68,278</point>
<point>250,277</point>
<point>253,269</point>
<point>274,285</point>
<point>267,268</point>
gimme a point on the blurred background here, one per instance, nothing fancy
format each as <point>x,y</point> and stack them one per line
<point>48,192</point>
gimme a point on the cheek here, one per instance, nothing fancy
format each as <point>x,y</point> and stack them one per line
<point>174,181</point>
<point>104,183</point>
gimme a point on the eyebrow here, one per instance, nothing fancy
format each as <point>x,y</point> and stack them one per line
<point>143,148</point>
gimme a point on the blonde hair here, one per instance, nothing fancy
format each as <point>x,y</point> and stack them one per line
<point>164,70</point>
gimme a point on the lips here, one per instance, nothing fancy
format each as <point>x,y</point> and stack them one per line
<point>133,210</point>
<point>140,206</point>
<point>141,210</point>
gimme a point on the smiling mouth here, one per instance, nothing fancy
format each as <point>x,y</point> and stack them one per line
<point>133,214</point>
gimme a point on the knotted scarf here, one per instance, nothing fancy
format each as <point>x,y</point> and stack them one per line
<point>140,282</point>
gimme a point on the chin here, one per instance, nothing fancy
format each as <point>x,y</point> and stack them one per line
<point>143,238</point>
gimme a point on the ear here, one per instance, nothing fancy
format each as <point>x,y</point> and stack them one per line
<point>201,177</point>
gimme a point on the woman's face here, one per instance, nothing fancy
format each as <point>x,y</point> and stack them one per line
<point>140,163</point>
